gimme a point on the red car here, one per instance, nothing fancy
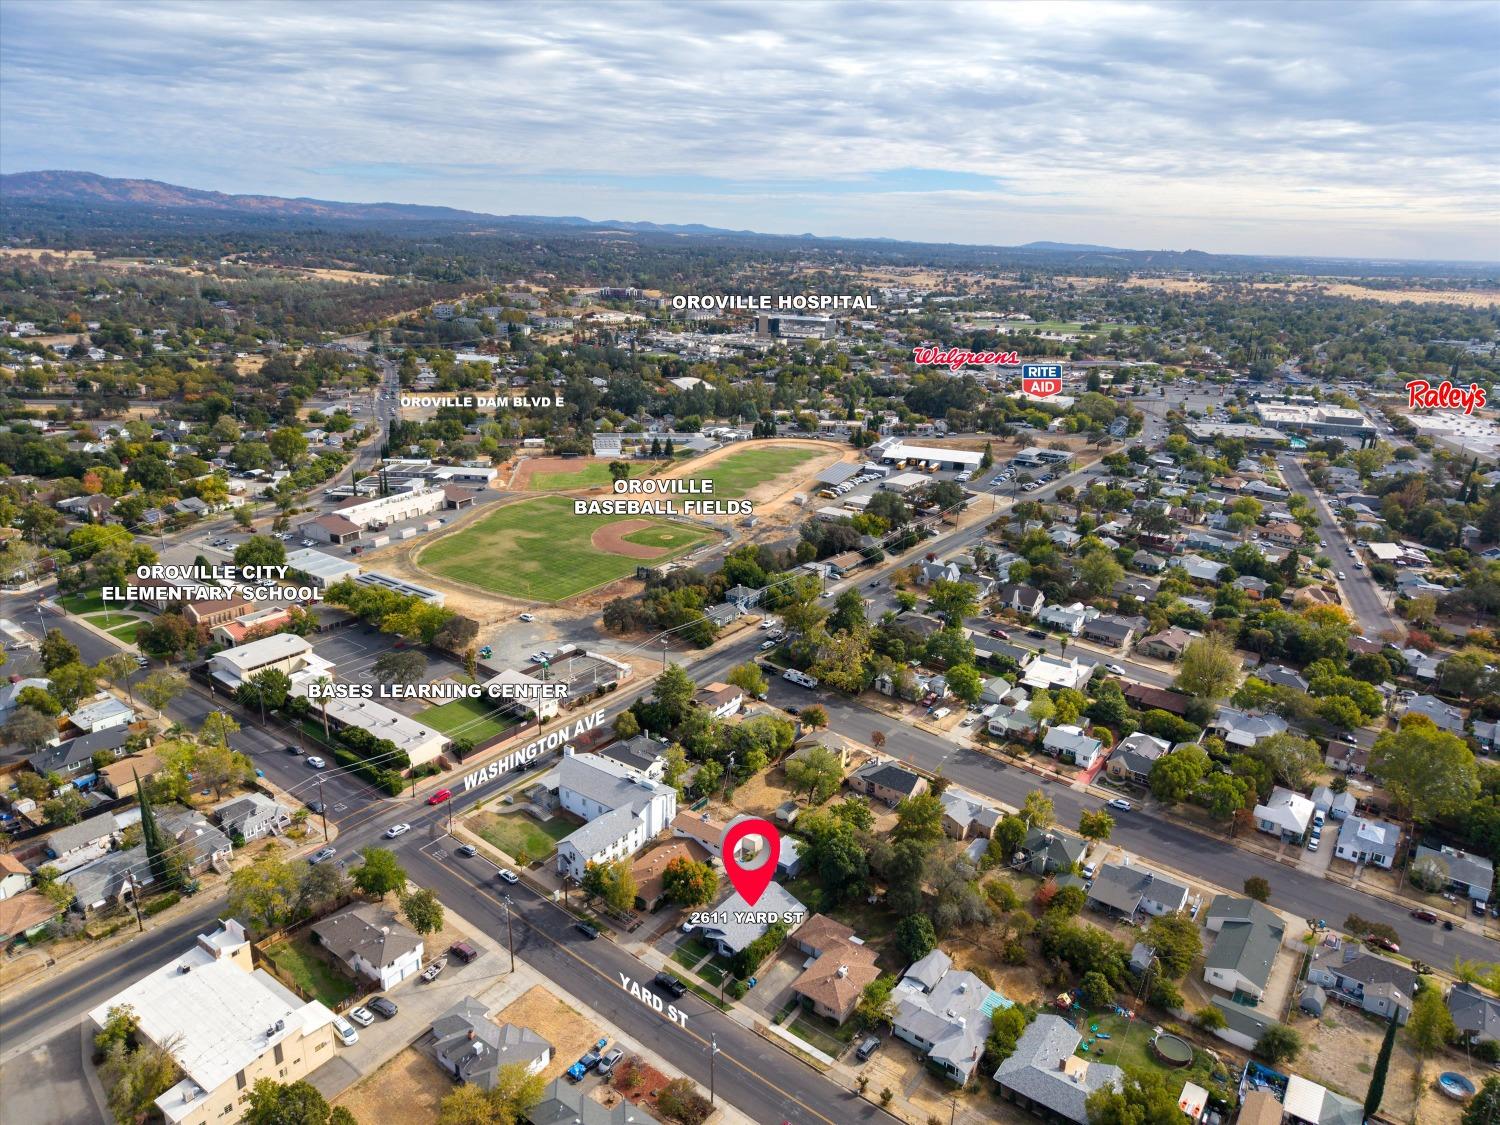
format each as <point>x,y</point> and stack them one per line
<point>440,796</point>
<point>1001,633</point>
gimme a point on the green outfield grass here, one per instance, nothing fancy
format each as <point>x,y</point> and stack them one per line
<point>590,474</point>
<point>467,718</point>
<point>742,470</point>
<point>538,549</point>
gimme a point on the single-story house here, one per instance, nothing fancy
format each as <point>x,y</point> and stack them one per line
<point>252,816</point>
<point>1049,851</point>
<point>1466,874</point>
<point>1354,975</point>
<point>1125,890</point>
<point>1070,744</point>
<point>1246,728</point>
<point>370,945</point>
<point>1244,953</point>
<point>737,923</point>
<point>968,815</point>
<point>1115,632</point>
<point>945,1013</point>
<point>649,867</point>
<point>1150,698</point>
<point>887,781</point>
<point>1476,1014</point>
<point>1166,645</point>
<point>837,971</point>
<point>1047,1077</point>
<point>1364,840</point>
<point>472,1048</point>
<point>1133,758</point>
<point>1285,814</point>
<point>25,915</point>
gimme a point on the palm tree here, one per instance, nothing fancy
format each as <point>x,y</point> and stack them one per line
<point>323,683</point>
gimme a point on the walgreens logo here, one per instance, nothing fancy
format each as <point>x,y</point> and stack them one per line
<point>1444,396</point>
<point>954,358</point>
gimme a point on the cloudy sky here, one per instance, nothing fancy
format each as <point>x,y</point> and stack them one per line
<point>1346,129</point>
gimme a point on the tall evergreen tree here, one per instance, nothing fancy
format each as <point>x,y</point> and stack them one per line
<point>156,852</point>
<point>1382,1064</point>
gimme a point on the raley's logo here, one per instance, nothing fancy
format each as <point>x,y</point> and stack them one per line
<point>1444,396</point>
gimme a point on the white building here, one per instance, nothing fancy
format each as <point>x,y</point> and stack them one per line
<point>421,743</point>
<point>284,652</point>
<point>419,500</point>
<point>623,810</point>
<point>322,569</point>
<point>102,712</point>
<point>371,945</point>
<point>1285,814</point>
<point>257,1028</point>
<point>1055,672</point>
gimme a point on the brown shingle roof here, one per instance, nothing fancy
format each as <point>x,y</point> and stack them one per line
<point>838,976</point>
<point>649,868</point>
<point>821,932</point>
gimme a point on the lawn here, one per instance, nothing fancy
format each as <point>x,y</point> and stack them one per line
<point>538,549</point>
<point>127,633</point>
<point>595,474</point>
<point>742,470</point>
<point>514,833</point>
<point>474,719</point>
<point>110,621</point>
<point>1129,1047</point>
<point>300,960</point>
<point>823,1034</point>
<point>88,602</point>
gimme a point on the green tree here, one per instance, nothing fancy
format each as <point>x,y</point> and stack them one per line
<point>380,873</point>
<point>134,1079</point>
<point>30,728</point>
<point>66,808</point>
<point>915,938</point>
<point>1223,795</point>
<point>1143,1099</point>
<point>160,687</point>
<point>1430,1025</point>
<point>1098,571</point>
<point>749,679</point>
<point>289,446</point>
<point>1209,669</point>
<point>1174,938</point>
<point>260,550</point>
<point>965,682</point>
<point>1278,1044</point>
<point>401,666</point>
<point>1095,990</point>
<point>1376,1090</point>
<point>689,883</point>
<point>816,771</point>
<point>267,690</point>
<point>874,1007</point>
<point>151,836</point>
<point>956,600</point>
<point>1485,1108</point>
<point>281,1103</point>
<point>422,909</point>
<point>919,819</point>
<point>1430,772</point>
<point>1095,824</point>
<point>613,883</point>
<point>216,728</point>
<point>1293,760</point>
<point>1036,809</point>
<point>1176,775</point>
<point>1258,888</point>
<point>674,690</point>
<point>266,893</point>
<point>56,650</point>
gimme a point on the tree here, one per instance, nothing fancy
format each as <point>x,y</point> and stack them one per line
<point>1485,1108</point>
<point>874,1007</point>
<point>965,682</point>
<point>422,910</point>
<point>1223,795</point>
<point>73,682</point>
<point>216,728</point>
<point>680,1101</point>
<point>402,666</point>
<point>116,669</point>
<point>749,679</point>
<point>1143,1099</point>
<point>1293,760</point>
<point>380,873</point>
<point>135,1079</point>
<point>1095,825</point>
<point>1210,1018</point>
<point>267,689</point>
<point>919,819</point>
<point>817,771</point>
<point>1174,938</point>
<point>915,938</point>
<point>1036,809</point>
<point>279,1103</point>
<point>1095,990</point>
<point>1258,888</point>
<point>30,728</point>
<point>1430,772</point>
<point>1098,571</point>
<point>1430,1025</point>
<point>66,808</point>
<point>319,886</point>
<point>1176,775</point>
<point>56,650</point>
<point>1376,1090</point>
<point>1210,668</point>
<point>689,883</point>
<point>161,687</point>
<point>955,600</point>
<point>673,691</point>
<point>612,882</point>
<point>266,893</point>
<point>288,445</point>
<point>1278,1043</point>
<point>260,550</point>
<point>152,837</point>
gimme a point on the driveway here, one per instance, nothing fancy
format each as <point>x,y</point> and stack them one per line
<point>773,989</point>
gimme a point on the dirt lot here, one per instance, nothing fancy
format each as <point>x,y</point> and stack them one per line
<point>566,1029</point>
<point>635,1080</point>
<point>759,795</point>
<point>409,1087</point>
<point>1341,1054</point>
<point>773,498</point>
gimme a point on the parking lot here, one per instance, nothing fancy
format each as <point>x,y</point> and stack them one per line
<point>355,649</point>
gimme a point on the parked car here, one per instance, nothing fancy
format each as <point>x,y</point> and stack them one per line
<point>382,1007</point>
<point>1383,943</point>
<point>463,951</point>
<point>396,830</point>
<point>670,985</point>
<point>440,796</point>
<point>608,1060</point>
<point>586,930</point>
<point>507,875</point>
<point>321,855</point>
<point>345,1030</point>
<point>868,1047</point>
<point>468,851</point>
<point>316,762</point>
<point>1427,916</point>
<point>1115,669</point>
<point>362,1016</point>
<point>528,617</point>
<point>434,970</point>
<point>1120,803</point>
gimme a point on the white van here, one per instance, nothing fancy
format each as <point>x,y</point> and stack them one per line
<point>800,678</point>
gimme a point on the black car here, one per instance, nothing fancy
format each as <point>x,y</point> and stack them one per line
<point>382,1007</point>
<point>315,807</point>
<point>294,749</point>
<point>670,985</point>
<point>586,930</point>
<point>1040,634</point>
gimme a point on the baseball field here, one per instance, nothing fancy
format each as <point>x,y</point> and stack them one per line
<point>539,550</point>
<point>740,471</point>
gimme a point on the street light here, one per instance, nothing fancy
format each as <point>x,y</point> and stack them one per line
<point>713,1050</point>
<point>510,937</point>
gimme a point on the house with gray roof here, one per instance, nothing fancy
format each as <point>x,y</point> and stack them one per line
<point>252,816</point>
<point>1046,1076</point>
<point>1069,743</point>
<point>1242,1026</point>
<point>1246,728</point>
<point>1243,956</point>
<point>1233,908</point>
<point>737,923</point>
<point>887,781</point>
<point>643,753</point>
<point>1466,874</point>
<point>472,1047</point>
<point>371,945</point>
<point>1336,805</point>
<point>945,1013</point>
<point>1133,758</point>
<point>568,1103</point>
<point>1283,676</point>
<point>1049,851</point>
<point>966,814</point>
<point>622,810</point>
<point>1284,814</point>
<point>1125,890</point>
<point>73,761</point>
<point>1020,598</point>
<point>1354,975</point>
<point>1444,716</point>
<point>1363,840</point>
<point>1475,1014</point>
<point>76,844</point>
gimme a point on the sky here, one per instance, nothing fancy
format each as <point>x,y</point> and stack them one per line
<point>1341,129</point>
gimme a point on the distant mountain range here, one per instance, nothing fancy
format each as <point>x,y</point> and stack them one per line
<point>35,204</point>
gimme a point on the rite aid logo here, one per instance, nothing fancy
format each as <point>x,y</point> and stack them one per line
<point>1444,396</point>
<point>1041,379</point>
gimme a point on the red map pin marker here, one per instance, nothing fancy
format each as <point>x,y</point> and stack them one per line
<point>751,882</point>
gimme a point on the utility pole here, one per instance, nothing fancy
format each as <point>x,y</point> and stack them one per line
<point>510,937</point>
<point>322,808</point>
<point>135,901</point>
<point>713,1050</point>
